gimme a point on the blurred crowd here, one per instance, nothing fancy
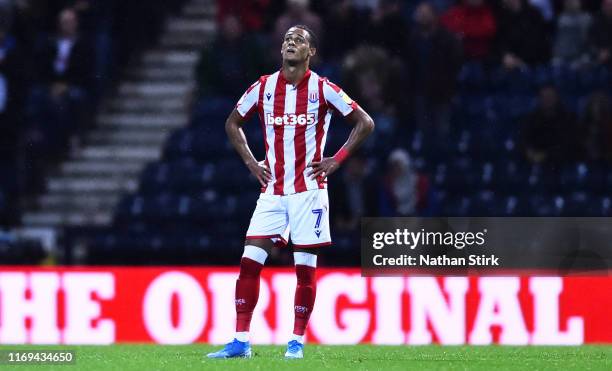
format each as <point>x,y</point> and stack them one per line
<point>402,61</point>
<point>57,58</point>
<point>482,108</point>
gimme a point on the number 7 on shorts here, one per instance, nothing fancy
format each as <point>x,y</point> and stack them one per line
<point>319,213</point>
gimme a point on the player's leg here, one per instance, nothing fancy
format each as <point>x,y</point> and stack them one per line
<point>246,295</point>
<point>305,293</point>
<point>253,259</point>
<point>309,223</point>
<point>268,227</point>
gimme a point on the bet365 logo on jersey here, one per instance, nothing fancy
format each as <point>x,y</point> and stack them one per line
<point>290,119</point>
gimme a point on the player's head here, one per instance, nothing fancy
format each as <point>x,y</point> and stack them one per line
<point>299,45</point>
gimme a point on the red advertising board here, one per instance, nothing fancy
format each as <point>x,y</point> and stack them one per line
<point>104,305</point>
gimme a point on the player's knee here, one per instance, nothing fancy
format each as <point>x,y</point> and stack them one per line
<point>305,258</point>
<point>305,264</point>
<point>255,253</point>
<point>252,262</point>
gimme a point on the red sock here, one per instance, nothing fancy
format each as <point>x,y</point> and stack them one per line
<point>305,294</point>
<point>247,293</point>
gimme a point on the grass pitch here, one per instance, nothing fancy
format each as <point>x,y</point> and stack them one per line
<point>360,357</point>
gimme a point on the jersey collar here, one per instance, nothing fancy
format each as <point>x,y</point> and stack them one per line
<point>302,82</point>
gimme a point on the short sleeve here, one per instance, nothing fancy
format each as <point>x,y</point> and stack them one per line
<point>338,99</point>
<point>248,102</point>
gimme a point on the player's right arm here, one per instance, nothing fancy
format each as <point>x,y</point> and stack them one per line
<point>233,127</point>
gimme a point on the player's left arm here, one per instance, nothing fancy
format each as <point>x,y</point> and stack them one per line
<point>363,125</point>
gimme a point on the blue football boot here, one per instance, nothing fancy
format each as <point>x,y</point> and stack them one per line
<point>235,349</point>
<point>295,350</point>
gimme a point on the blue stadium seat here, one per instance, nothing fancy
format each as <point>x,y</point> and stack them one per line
<point>511,107</point>
<point>583,204</point>
<point>546,205</point>
<point>472,76</point>
<point>189,176</point>
<point>516,81</point>
<point>582,176</point>
<point>514,206</point>
<point>542,178</point>
<point>486,203</point>
<point>197,143</point>
<point>457,205</point>
<point>542,75</point>
<point>212,111</point>
<point>464,174</point>
<point>594,78</point>
<point>509,176</point>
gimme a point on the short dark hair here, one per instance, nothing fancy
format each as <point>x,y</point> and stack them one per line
<point>313,40</point>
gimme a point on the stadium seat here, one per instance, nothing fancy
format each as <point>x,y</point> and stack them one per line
<point>199,143</point>
<point>582,176</point>
<point>212,110</point>
<point>517,81</point>
<point>485,203</point>
<point>472,77</point>
<point>457,205</point>
<point>546,205</point>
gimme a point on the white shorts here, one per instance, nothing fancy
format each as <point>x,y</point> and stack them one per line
<point>302,216</point>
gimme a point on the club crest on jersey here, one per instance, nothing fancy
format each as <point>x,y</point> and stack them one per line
<point>290,119</point>
<point>313,97</point>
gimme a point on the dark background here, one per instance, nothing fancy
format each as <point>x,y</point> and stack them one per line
<point>483,108</point>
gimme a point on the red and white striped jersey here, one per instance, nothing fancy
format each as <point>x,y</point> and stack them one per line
<point>295,120</point>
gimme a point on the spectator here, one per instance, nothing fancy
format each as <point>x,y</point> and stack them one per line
<point>11,92</point>
<point>433,56</point>
<point>233,60</point>
<point>28,20</point>
<point>518,22</point>
<point>404,191</point>
<point>473,22</point>
<point>597,128</point>
<point>373,76</point>
<point>545,8</point>
<point>382,112</point>
<point>64,80</point>
<point>298,12</point>
<point>387,26</point>
<point>572,35</point>
<point>375,61</point>
<point>365,5</point>
<point>66,59</point>
<point>6,13</point>
<point>354,193</point>
<point>345,23</point>
<point>601,34</point>
<point>549,131</point>
<point>138,24</point>
<point>251,13</point>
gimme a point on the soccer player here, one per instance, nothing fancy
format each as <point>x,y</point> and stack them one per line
<point>294,106</point>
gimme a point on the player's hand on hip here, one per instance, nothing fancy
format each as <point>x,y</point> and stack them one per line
<point>323,168</point>
<point>261,171</point>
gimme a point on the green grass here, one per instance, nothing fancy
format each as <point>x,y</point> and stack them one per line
<point>360,357</point>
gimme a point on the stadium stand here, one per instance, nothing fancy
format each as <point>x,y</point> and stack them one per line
<point>192,204</point>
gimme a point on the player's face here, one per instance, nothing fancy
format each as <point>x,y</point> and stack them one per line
<point>296,47</point>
